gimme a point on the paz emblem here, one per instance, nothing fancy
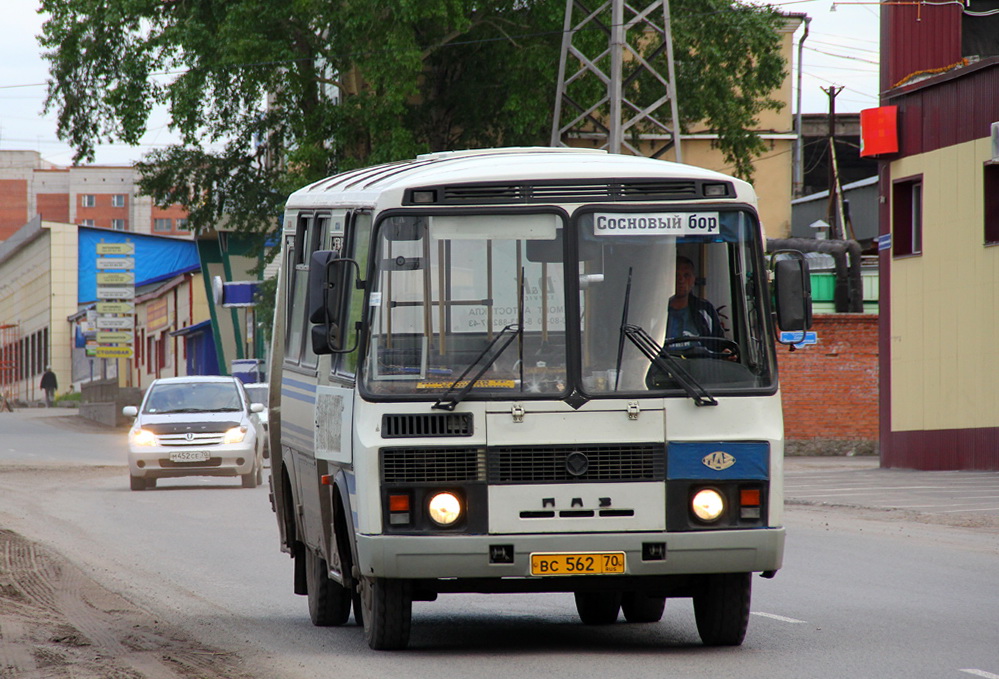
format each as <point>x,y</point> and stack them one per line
<point>718,460</point>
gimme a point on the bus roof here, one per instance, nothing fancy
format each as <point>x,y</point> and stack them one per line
<point>384,185</point>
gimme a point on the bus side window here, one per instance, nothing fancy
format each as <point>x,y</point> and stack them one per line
<point>297,268</point>
<point>358,246</point>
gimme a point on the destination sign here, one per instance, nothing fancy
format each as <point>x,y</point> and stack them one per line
<point>116,263</point>
<point>116,248</point>
<point>116,278</point>
<point>115,292</point>
<point>115,307</point>
<point>111,337</point>
<point>656,224</point>
<point>115,322</point>
<point>113,352</point>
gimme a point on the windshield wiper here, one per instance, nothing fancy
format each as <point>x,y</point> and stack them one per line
<point>668,365</point>
<point>514,330</point>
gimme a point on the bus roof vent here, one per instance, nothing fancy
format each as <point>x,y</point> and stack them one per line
<point>578,191</point>
<point>426,425</point>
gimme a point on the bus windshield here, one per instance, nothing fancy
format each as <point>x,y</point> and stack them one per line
<point>476,304</point>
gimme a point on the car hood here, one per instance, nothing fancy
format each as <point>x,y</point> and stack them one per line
<point>179,423</point>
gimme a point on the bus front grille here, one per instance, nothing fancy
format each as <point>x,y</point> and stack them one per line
<point>577,464</point>
<point>433,465</point>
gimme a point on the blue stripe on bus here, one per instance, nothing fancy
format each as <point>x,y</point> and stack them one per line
<point>301,385</point>
<point>708,460</point>
<point>306,398</point>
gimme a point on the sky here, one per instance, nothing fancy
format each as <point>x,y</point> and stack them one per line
<point>841,51</point>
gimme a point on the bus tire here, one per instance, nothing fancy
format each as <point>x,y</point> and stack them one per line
<point>387,612</point>
<point>598,608</point>
<point>642,607</point>
<point>721,608</point>
<point>329,602</point>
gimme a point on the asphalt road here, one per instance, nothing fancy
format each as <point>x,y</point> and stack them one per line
<point>867,590</point>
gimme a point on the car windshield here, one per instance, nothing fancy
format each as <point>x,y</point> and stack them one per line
<point>193,397</point>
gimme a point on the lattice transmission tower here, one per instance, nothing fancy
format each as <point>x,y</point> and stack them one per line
<point>611,90</point>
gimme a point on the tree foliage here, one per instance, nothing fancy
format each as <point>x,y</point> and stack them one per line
<point>268,96</point>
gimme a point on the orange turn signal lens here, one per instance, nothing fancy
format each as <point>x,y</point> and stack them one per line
<point>398,503</point>
<point>749,497</point>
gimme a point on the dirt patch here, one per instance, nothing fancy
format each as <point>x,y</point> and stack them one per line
<point>57,623</point>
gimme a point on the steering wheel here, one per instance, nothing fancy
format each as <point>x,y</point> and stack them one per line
<point>702,346</point>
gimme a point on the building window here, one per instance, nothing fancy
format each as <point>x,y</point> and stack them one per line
<point>118,224</point>
<point>118,200</point>
<point>182,224</point>
<point>87,222</point>
<point>88,200</point>
<point>907,216</point>
<point>991,203</point>
<point>162,225</point>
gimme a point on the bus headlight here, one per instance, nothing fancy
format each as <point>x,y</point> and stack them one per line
<point>708,505</point>
<point>444,509</point>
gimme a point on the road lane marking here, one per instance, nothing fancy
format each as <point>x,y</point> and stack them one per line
<point>982,673</point>
<point>781,618</point>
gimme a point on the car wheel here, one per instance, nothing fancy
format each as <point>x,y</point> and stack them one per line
<point>598,608</point>
<point>387,611</point>
<point>136,483</point>
<point>250,478</point>
<point>721,608</point>
<point>329,601</point>
<point>642,607</point>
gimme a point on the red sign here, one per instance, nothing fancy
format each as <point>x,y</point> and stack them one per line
<point>879,131</point>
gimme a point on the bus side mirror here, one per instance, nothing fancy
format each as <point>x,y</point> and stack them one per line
<point>325,300</point>
<point>793,294</point>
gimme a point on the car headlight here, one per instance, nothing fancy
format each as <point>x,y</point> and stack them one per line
<point>234,435</point>
<point>444,509</point>
<point>708,505</point>
<point>141,437</point>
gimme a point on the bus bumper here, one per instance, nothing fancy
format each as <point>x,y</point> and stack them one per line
<point>469,556</point>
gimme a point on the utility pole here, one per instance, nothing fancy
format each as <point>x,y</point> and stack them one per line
<point>832,213</point>
<point>607,112</point>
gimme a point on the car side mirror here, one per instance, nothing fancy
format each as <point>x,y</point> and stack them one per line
<point>256,407</point>
<point>130,411</point>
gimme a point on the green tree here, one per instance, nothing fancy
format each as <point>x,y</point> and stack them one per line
<point>269,96</point>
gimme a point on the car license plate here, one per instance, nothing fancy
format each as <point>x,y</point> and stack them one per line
<point>190,456</point>
<point>580,563</point>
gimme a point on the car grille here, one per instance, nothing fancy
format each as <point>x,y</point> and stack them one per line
<point>199,439</point>
<point>526,464</point>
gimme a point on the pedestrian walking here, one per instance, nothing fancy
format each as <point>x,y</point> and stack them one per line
<point>49,386</point>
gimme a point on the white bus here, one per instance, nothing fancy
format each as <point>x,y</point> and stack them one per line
<point>476,387</point>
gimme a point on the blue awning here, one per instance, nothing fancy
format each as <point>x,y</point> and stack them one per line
<point>203,326</point>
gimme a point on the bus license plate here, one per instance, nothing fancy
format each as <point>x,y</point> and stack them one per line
<point>592,563</point>
<point>190,456</point>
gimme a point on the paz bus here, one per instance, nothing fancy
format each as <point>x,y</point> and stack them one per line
<point>473,388</point>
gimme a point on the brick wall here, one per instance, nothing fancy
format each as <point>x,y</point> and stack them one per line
<point>13,206</point>
<point>830,389</point>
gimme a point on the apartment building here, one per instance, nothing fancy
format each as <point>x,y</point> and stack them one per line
<point>102,196</point>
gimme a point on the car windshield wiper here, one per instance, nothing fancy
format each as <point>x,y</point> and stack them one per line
<point>443,403</point>
<point>668,365</point>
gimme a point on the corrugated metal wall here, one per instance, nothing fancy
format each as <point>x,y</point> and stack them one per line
<point>919,38</point>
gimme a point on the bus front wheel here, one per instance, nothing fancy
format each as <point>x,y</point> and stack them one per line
<point>329,601</point>
<point>387,612</point>
<point>721,608</point>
